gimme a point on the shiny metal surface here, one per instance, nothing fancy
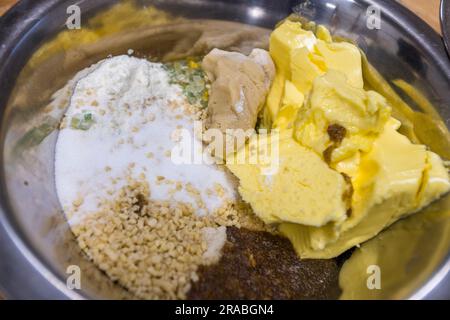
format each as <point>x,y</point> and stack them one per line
<point>445,23</point>
<point>36,246</point>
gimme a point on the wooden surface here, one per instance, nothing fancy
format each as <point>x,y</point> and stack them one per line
<point>5,4</point>
<point>428,10</point>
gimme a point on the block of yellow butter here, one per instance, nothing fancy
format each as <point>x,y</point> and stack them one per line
<point>292,102</point>
<point>345,173</point>
<point>285,38</point>
<point>343,57</point>
<point>300,57</point>
<point>273,100</point>
<point>302,190</point>
<point>333,101</point>
<point>395,178</point>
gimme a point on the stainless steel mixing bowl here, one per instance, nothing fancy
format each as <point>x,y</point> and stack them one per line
<point>35,245</point>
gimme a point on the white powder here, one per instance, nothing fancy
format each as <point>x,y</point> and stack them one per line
<point>215,239</point>
<point>132,104</point>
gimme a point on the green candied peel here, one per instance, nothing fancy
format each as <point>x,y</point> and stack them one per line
<point>82,121</point>
<point>189,75</point>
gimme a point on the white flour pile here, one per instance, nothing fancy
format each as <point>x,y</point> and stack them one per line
<point>121,122</point>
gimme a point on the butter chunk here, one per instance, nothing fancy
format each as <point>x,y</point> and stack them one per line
<point>307,65</point>
<point>283,40</point>
<point>303,190</point>
<point>396,178</point>
<point>332,101</point>
<point>292,102</point>
<point>300,57</point>
<point>286,38</point>
<point>274,99</point>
